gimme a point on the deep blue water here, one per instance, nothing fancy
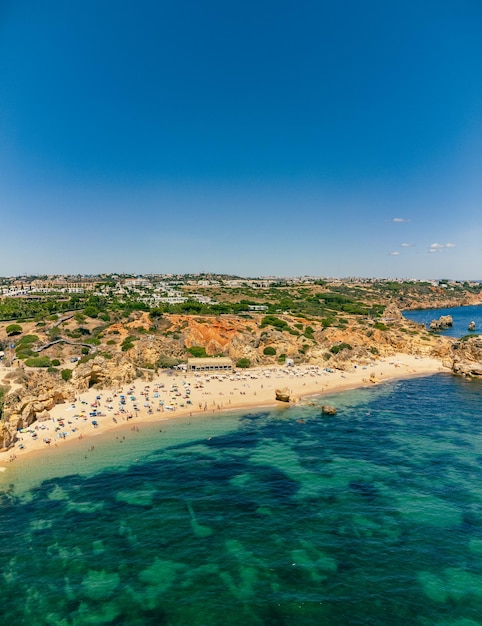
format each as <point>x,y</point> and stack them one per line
<point>462,316</point>
<point>370,517</point>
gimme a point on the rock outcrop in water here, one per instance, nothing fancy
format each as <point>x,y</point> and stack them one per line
<point>443,322</point>
<point>471,326</point>
<point>327,409</point>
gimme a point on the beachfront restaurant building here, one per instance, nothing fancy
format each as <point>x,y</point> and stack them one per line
<point>210,364</point>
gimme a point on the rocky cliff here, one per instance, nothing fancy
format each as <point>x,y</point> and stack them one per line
<point>466,357</point>
<point>34,395</point>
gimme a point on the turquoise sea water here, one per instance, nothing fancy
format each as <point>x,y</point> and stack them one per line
<point>461,315</point>
<point>279,517</point>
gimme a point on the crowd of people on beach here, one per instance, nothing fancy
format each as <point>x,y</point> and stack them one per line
<point>183,393</point>
<point>179,393</point>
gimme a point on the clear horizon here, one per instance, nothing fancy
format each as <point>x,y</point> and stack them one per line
<point>260,139</point>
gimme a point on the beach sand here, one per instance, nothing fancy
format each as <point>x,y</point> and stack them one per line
<point>171,395</point>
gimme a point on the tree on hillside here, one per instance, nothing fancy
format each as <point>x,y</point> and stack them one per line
<point>13,329</point>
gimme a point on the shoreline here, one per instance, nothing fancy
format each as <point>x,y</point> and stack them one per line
<point>171,395</point>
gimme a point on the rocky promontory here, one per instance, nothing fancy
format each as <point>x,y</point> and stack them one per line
<point>467,357</point>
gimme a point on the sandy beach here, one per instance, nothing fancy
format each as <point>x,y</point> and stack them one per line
<point>171,395</point>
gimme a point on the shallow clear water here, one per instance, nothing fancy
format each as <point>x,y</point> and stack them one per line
<point>462,316</point>
<point>272,517</point>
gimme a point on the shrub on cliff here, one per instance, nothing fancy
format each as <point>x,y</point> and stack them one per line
<point>66,374</point>
<point>197,351</point>
<point>326,322</point>
<point>166,361</point>
<point>272,320</point>
<point>339,347</point>
<point>269,351</point>
<point>380,326</point>
<point>127,344</point>
<point>243,363</point>
<point>38,361</point>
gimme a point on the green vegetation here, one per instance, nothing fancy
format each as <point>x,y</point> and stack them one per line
<point>197,351</point>
<point>326,322</point>
<point>23,348</point>
<point>86,358</point>
<point>91,311</point>
<point>55,362</point>
<point>243,363</point>
<point>3,393</point>
<point>24,308</point>
<point>128,343</point>
<point>155,314</point>
<point>467,337</point>
<point>380,326</point>
<point>271,320</point>
<point>93,341</point>
<point>276,322</point>
<point>39,361</point>
<point>27,340</point>
<point>166,361</point>
<point>66,374</point>
<point>24,352</point>
<point>13,329</point>
<point>269,351</point>
<point>339,347</point>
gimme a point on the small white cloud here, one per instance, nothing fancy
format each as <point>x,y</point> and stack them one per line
<point>400,219</point>
<point>440,247</point>
<point>407,245</point>
<point>394,253</point>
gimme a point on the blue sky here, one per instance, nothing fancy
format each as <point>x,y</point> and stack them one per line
<point>255,137</point>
